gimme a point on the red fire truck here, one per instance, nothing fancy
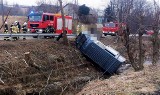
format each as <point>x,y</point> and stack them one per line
<point>111,28</point>
<point>40,22</point>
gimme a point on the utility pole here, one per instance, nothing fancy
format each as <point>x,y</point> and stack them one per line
<point>57,9</point>
<point>2,11</point>
<point>77,2</point>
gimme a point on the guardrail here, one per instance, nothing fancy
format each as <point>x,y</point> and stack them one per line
<point>36,34</point>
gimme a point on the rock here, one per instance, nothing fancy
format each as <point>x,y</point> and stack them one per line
<point>61,58</point>
<point>52,58</point>
<point>54,89</point>
<point>123,68</point>
<point>1,82</point>
<point>80,80</point>
<point>15,90</point>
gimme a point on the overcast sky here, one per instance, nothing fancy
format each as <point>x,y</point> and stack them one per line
<point>91,3</point>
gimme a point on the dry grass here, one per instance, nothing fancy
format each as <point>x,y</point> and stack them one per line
<point>11,19</point>
<point>128,83</point>
<point>48,55</point>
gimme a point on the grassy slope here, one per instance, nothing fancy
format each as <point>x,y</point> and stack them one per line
<point>128,83</point>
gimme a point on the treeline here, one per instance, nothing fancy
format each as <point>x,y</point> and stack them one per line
<point>18,10</point>
<point>139,16</point>
<point>132,12</point>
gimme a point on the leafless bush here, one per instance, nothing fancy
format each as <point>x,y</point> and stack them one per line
<point>155,38</point>
<point>133,45</point>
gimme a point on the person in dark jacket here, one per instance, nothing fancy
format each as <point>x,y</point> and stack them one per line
<point>19,27</point>
<point>11,27</point>
<point>6,30</point>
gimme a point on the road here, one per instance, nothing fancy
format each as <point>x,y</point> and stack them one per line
<point>31,38</point>
<point>145,35</point>
<point>21,38</point>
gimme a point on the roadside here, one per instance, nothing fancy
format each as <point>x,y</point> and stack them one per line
<point>146,82</point>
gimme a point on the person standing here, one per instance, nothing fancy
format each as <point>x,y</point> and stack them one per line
<point>15,30</point>
<point>11,27</point>
<point>19,27</point>
<point>6,30</point>
<point>24,29</point>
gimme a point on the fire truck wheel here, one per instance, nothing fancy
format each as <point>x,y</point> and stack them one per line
<point>113,34</point>
<point>49,29</point>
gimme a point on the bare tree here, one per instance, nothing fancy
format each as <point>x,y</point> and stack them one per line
<point>39,2</point>
<point>134,47</point>
<point>87,15</point>
<point>65,40</point>
<point>2,11</point>
<point>156,28</point>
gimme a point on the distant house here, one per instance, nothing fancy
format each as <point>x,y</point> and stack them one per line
<point>48,8</point>
<point>15,10</point>
<point>71,10</point>
<point>100,19</point>
<point>25,9</point>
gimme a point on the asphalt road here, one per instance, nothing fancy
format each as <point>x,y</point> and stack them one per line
<point>21,38</point>
<point>31,38</point>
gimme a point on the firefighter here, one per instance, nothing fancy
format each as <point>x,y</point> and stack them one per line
<point>60,36</point>
<point>79,29</point>
<point>19,27</point>
<point>24,29</point>
<point>6,30</point>
<point>11,27</point>
<point>15,30</point>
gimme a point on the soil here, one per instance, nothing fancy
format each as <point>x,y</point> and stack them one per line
<point>145,82</point>
<point>63,70</point>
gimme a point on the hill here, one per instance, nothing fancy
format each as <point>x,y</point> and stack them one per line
<point>52,68</point>
<point>146,82</point>
<point>59,68</point>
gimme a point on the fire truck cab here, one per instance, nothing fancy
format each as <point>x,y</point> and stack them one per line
<point>40,22</point>
<point>111,28</point>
